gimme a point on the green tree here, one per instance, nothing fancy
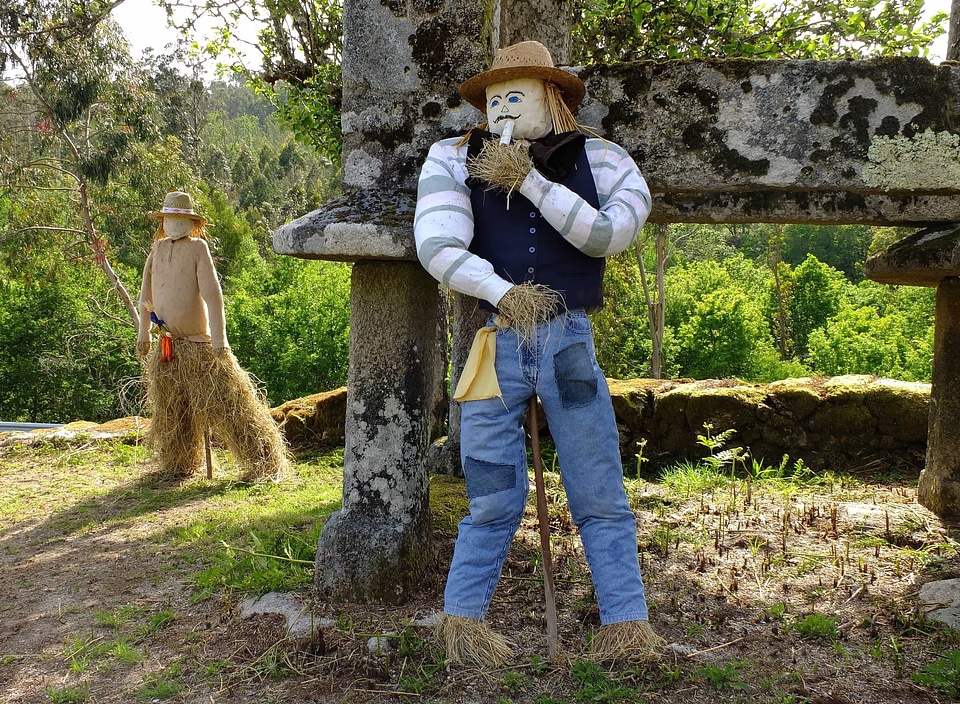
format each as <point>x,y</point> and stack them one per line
<point>64,354</point>
<point>628,30</point>
<point>288,322</point>
<point>843,247</point>
<point>815,291</point>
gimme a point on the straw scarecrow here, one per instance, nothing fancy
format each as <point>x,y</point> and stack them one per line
<point>193,379</point>
<point>521,213</point>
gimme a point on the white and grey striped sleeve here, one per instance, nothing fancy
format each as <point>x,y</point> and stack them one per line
<point>443,226</point>
<point>623,195</point>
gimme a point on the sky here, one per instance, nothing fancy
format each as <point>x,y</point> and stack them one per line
<point>145,25</point>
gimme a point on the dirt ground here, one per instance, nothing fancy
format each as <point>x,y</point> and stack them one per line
<point>766,591</point>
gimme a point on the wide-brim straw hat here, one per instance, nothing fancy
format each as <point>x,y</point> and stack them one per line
<point>178,203</point>
<point>522,60</point>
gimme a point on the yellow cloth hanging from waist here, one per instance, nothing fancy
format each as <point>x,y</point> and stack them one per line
<point>478,380</point>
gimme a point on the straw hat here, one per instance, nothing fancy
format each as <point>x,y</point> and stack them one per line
<point>522,60</point>
<point>177,203</point>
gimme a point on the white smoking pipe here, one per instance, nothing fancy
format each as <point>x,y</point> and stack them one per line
<point>507,132</point>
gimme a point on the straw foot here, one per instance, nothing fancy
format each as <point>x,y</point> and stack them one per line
<point>471,642</point>
<point>628,641</point>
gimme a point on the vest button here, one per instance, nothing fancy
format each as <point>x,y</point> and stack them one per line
<point>533,230</point>
<point>533,214</point>
<point>532,250</point>
<point>530,270</point>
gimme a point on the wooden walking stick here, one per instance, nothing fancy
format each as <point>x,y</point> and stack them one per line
<point>544,520</point>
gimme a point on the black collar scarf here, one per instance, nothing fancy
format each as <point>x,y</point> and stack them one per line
<point>554,156</point>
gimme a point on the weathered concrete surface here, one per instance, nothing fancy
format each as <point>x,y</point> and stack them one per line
<point>402,64</point>
<point>925,258</point>
<point>939,488</point>
<point>824,142</point>
<point>376,547</point>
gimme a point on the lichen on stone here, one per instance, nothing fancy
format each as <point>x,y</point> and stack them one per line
<point>927,161</point>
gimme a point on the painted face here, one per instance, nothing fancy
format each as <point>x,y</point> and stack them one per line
<point>523,100</point>
<point>177,226</point>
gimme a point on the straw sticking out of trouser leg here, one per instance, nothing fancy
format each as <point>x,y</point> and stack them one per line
<point>528,305</point>
<point>202,388</point>
<point>471,642</point>
<point>628,641</point>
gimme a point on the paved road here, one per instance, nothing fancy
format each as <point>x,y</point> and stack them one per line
<point>23,427</point>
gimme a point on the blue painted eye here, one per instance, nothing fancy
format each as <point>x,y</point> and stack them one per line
<point>494,103</point>
<point>514,99</point>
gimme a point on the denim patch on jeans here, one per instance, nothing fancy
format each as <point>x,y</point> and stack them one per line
<point>576,379</point>
<point>485,478</point>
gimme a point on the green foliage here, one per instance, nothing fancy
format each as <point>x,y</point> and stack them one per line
<point>596,686</point>
<point>61,358</point>
<point>814,299</point>
<point>942,675</point>
<point>725,676</point>
<point>842,247</point>
<point>619,30</point>
<point>68,695</point>
<point>288,323</point>
<point>162,685</point>
<point>817,627</point>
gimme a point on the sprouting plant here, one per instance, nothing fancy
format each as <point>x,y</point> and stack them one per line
<point>69,695</point>
<point>718,457</point>
<point>817,627</point>
<point>725,676</point>
<point>942,675</point>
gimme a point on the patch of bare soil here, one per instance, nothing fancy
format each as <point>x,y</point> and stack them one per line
<point>766,592</point>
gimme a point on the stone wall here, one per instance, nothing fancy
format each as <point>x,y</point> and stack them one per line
<point>837,423</point>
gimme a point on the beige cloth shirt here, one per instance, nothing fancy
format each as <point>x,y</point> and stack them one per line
<point>180,284</point>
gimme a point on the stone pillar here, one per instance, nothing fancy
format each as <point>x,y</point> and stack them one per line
<point>375,548</point>
<point>939,488</point>
<point>931,257</point>
<point>402,63</point>
<point>546,21</point>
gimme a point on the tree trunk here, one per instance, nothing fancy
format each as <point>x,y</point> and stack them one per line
<point>953,36</point>
<point>99,246</point>
<point>655,312</point>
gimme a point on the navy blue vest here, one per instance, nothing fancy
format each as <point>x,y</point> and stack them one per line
<point>523,247</point>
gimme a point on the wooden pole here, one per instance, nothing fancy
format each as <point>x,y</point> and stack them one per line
<point>206,447</point>
<point>544,520</point>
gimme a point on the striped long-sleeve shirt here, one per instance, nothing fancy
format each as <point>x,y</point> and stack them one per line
<point>443,225</point>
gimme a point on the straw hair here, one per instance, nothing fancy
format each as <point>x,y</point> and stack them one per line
<point>625,642</point>
<point>523,60</point>
<point>501,165</point>
<point>468,641</point>
<point>201,388</point>
<point>560,114</point>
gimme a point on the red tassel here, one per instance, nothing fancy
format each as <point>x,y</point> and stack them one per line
<point>166,348</point>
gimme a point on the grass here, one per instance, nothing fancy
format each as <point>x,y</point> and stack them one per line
<point>729,547</point>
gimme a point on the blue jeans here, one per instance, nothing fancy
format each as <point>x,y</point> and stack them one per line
<point>559,366</point>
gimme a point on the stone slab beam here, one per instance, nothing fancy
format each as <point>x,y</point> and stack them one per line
<point>822,142</point>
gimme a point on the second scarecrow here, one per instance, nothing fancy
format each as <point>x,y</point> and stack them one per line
<point>193,379</point>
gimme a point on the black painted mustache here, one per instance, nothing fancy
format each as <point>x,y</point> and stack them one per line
<point>506,117</point>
